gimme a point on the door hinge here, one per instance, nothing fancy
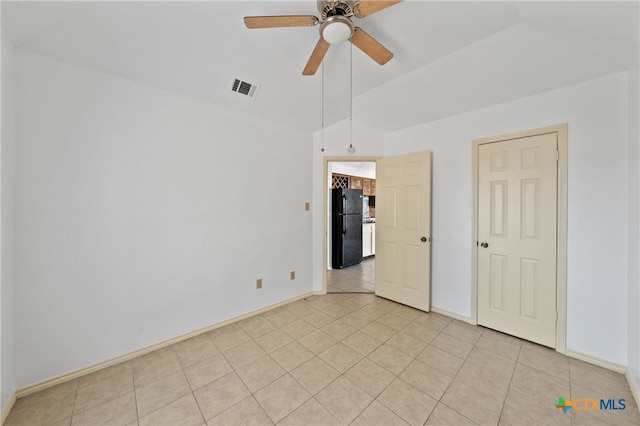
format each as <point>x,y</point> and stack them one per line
<point>557,155</point>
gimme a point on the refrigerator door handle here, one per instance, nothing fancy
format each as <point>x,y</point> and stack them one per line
<point>344,212</point>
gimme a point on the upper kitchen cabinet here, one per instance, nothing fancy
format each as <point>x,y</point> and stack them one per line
<point>368,186</point>
<point>355,182</point>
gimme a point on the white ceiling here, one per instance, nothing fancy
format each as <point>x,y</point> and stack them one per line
<point>450,56</point>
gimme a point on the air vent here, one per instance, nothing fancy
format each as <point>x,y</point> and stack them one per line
<point>244,88</point>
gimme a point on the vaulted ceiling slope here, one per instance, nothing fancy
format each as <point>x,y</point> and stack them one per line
<point>450,56</point>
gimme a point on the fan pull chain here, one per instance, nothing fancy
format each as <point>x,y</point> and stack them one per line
<point>322,108</point>
<point>351,148</point>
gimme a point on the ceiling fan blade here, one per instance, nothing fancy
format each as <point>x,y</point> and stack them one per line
<point>370,46</point>
<point>280,21</point>
<point>368,7</point>
<point>316,57</point>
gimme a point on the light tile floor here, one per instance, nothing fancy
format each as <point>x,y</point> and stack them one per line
<point>353,279</point>
<point>336,359</point>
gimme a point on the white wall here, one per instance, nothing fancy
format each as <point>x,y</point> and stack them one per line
<point>7,275</point>
<point>351,170</point>
<point>596,112</point>
<point>368,143</point>
<point>634,224</point>
<point>143,215</point>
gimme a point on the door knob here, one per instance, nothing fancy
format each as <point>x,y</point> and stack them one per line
<point>423,239</point>
<point>484,245</point>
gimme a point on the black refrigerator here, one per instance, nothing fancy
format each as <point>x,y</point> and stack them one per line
<point>346,214</point>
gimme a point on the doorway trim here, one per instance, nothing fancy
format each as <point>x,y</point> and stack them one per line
<point>325,203</point>
<point>561,216</point>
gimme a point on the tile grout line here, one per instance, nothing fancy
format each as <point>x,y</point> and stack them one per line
<point>75,401</point>
<point>183,367</point>
<point>135,397</point>
<point>504,402</point>
<point>457,372</point>
<point>252,393</point>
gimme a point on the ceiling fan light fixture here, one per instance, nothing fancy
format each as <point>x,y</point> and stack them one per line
<point>336,29</point>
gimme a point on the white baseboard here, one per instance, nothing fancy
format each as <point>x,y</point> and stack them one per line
<point>54,381</point>
<point>618,368</point>
<point>451,315</point>
<point>633,386</point>
<point>7,408</point>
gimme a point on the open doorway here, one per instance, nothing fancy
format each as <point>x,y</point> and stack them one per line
<point>350,253</point>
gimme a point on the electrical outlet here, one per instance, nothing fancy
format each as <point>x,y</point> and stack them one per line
<point>306,206</point>
<point>259,283</point>
<point>292,275</point>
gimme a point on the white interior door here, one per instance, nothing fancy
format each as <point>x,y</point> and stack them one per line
<point>403,229</point>
<point>517,229</point>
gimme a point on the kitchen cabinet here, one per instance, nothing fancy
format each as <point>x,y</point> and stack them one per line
<point>368,186</point>
<point>355,183</point>
<point>368,239</point>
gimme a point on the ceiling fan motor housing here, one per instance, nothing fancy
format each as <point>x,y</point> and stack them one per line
<point>330,8</point>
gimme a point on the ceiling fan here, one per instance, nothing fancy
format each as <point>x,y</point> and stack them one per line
<point>335,27</point>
